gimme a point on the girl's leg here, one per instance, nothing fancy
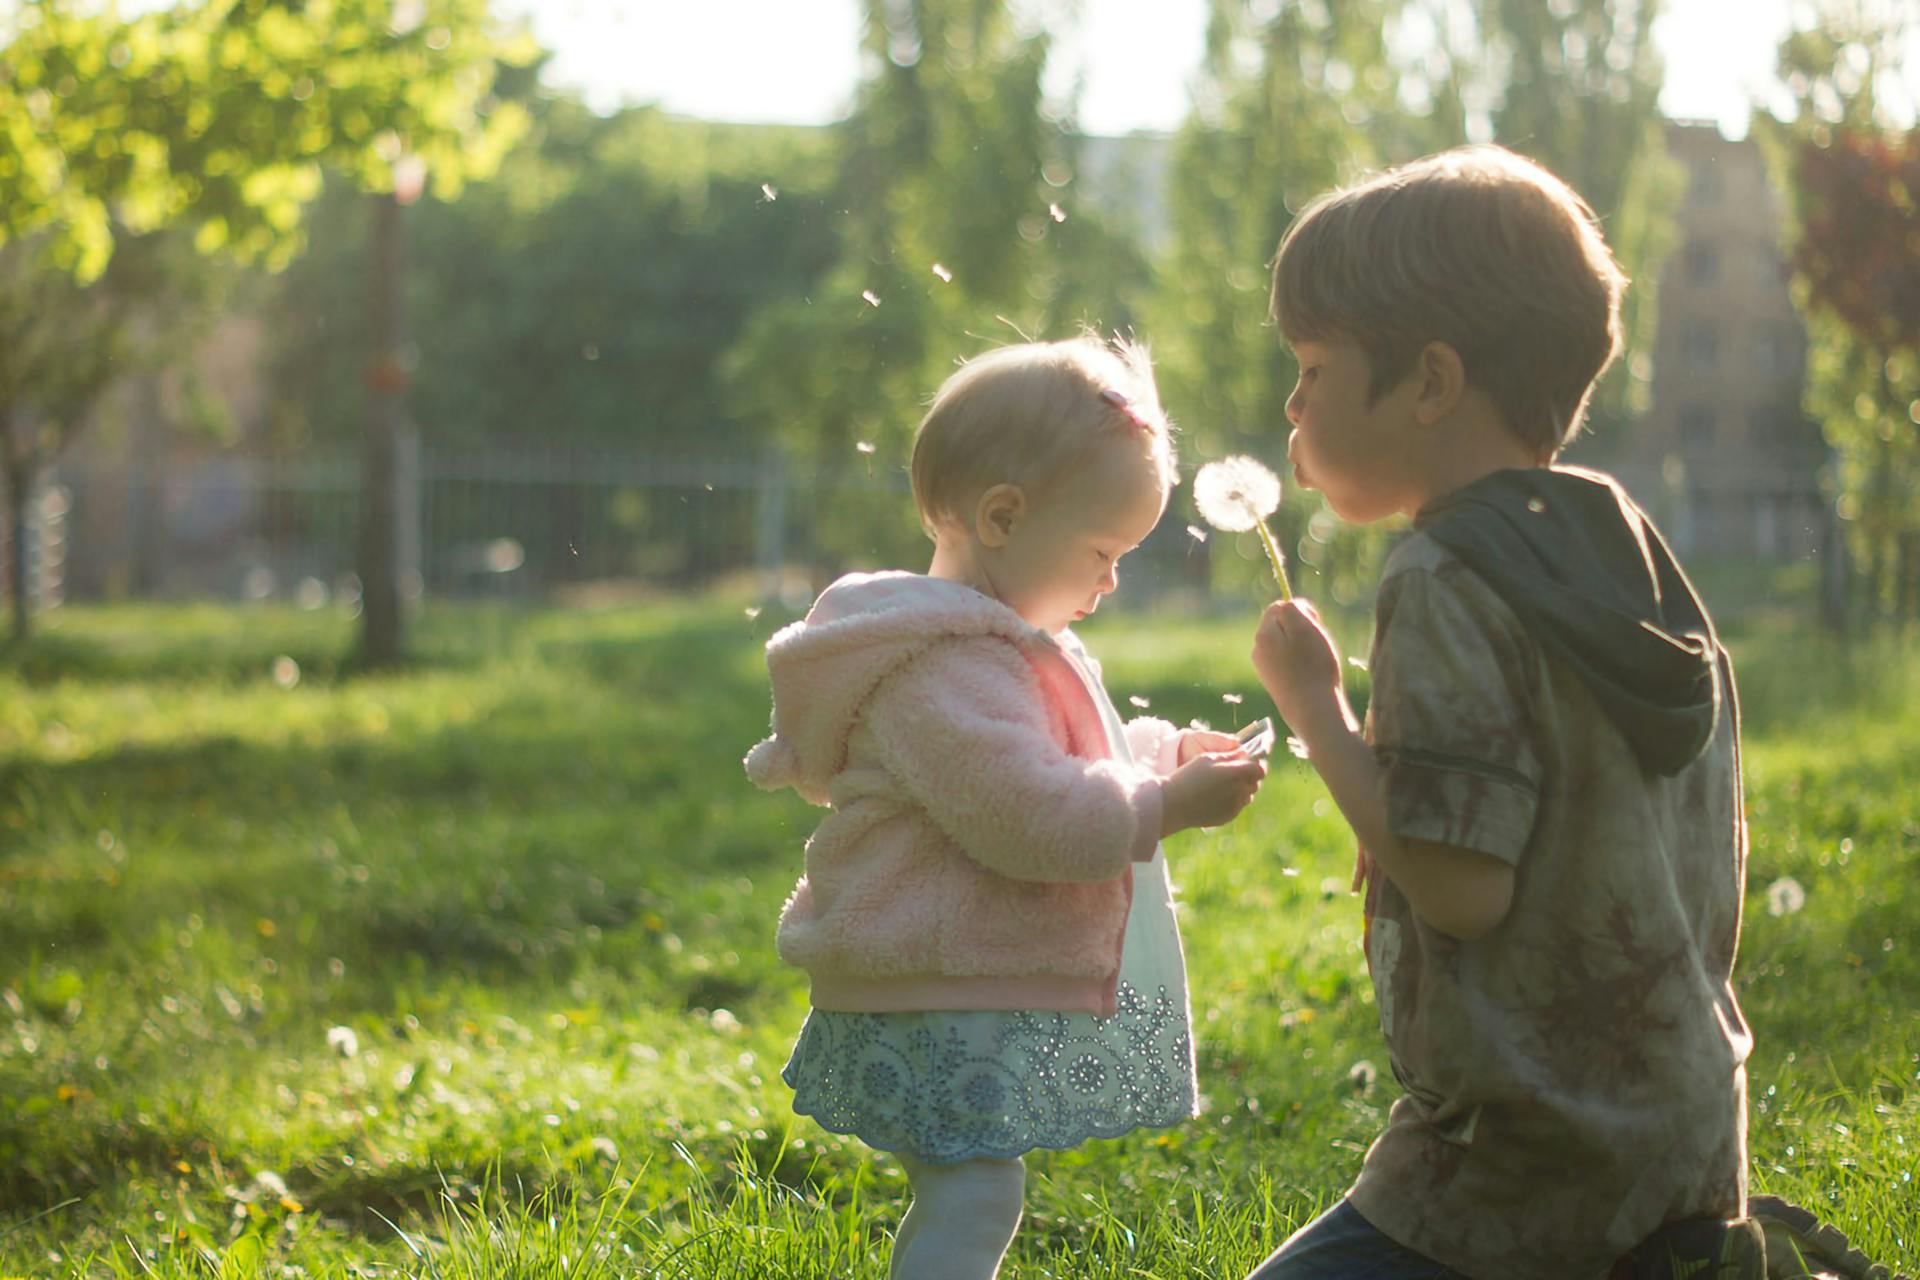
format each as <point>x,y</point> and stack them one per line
<point>961,1221</point>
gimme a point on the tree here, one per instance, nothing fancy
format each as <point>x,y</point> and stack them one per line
<point>957,229</point>
<point>1293,99</point>
<point>1853,168</point>
<point>218,116</point>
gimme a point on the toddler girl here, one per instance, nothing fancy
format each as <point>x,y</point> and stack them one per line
<point>985,916</point>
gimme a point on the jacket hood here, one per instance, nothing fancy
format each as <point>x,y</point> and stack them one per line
<point>1591,579</point>
<point>824,667</point>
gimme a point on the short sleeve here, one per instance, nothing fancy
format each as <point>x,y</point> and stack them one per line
<point>1449,717</point>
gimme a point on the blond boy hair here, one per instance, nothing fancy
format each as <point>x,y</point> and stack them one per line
<point>1478,248</point>
<point>1028,415</point>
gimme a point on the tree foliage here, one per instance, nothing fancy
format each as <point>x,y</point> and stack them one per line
<point>220,114</point>
<point>584,292</point>
<point>957,228</point>
<point>214,117</point>
<point>1854,171</point>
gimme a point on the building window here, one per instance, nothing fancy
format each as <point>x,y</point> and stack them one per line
<point>1701,347</point>
<point>1706,186</point>
<point>1702,264</point>
<point>1696,429</point>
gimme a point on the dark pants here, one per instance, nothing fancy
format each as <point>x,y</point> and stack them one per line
<point>1342,1245</point>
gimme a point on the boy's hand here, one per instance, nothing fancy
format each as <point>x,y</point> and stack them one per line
<point>1296,660</point>
<point>1209,791</point>
<point>1200,742</point>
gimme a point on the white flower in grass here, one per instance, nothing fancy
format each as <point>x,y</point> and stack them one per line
<point>343,1042</point>
<point>1785,896</point>
<point>1236,493</point>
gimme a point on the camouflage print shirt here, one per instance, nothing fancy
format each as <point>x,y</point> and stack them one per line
<point>1574,1078</point>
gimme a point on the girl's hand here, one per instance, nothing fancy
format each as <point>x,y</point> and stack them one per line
<point>1296,660</point>
<point>1209,791</point>
<point>1201,742</point>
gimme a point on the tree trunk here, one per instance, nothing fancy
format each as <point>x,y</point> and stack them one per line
<point>19,482</point>
<point>388,447</point>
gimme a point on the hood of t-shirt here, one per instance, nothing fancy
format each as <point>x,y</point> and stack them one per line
<point>1588,575</point>
<point>824,668</point>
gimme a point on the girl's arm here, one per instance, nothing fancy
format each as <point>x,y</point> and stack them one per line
<point>963,731</point>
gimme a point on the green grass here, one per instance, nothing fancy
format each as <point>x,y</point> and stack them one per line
<point>529,877</point>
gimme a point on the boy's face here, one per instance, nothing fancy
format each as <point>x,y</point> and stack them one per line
<point>1359,454</point>
<point>1061,554</point>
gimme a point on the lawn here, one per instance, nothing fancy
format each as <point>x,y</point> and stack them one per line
<point>468,970</point>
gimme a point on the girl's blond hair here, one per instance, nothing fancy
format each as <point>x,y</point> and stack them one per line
<point>1029,415</point>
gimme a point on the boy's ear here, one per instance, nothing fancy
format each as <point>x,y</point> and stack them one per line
<point>998,511</point>
<point>1441,378</point>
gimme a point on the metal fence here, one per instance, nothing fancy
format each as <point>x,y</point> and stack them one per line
<point>513,522</point>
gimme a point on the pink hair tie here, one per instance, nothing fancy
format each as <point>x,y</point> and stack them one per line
<point>1119,400</point>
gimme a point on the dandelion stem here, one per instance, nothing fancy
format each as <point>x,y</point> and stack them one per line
<point>1273,558</point>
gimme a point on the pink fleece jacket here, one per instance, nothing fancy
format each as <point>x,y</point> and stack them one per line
<point>980,849</point>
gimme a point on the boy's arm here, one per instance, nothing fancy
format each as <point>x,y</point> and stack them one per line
<point>1460,890</point>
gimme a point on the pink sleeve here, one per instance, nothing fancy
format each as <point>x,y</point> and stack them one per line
<point>1154,744</point>
<point>963,730</point>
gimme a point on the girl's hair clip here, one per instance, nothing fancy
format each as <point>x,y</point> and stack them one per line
<point>1119,400</point>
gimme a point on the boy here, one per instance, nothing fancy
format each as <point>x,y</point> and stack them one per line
<point>1547,789</point>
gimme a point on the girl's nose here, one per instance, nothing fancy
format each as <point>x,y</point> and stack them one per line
<point>1293,406</point>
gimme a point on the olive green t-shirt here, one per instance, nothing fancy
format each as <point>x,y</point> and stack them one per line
<point>1574,1078</point>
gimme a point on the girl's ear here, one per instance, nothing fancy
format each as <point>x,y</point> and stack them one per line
<point>998,511</point>
<point>1442,379</point>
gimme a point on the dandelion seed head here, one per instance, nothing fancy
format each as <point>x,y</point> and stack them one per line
<point>286,672</point>
<point>1362,1074</point>
<point>1236,493</point>
<point>343,1042</point>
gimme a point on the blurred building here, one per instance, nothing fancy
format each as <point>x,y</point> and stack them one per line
<point>1725,452</point>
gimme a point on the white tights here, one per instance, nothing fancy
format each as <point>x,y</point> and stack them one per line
<point>961,1221</point>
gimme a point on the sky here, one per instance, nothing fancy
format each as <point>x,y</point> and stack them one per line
<point>796,61</point>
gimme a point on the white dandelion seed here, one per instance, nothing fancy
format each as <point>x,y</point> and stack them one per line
<point>1195,532</point>
<point>1785,896</point>
<point>1358,664</point>
<point>1238,494</point>
<point>946,276</point>
<point>753,611</point>
<point>768,193</point>
<point>863,447</point>
<point>872,298</point>
<point>1139,701</point>
<point>1055,212</point>
<point>1298,748</point>
<point>1232,699</point>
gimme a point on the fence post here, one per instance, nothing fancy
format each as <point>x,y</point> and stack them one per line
<point>770,521</point>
